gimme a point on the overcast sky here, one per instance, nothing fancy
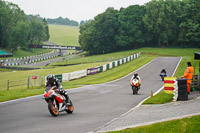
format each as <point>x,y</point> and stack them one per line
<point>73,9</point>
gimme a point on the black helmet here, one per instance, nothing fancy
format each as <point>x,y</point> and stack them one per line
<point>50,78</point>
<point>135,74</point>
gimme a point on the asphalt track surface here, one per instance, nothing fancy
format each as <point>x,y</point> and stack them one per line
<point>94,105</point>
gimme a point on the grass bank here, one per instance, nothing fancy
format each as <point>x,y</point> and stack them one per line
<point>64,35</point>
<point>186,125</point>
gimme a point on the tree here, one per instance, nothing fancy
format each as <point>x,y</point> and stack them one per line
<point>98,36</point>
<point>160,18</point>
<point>19,35</point>
<point>87,37</point>
<point>131,30</point>
<point>4,24</point>
<point>189,25</point>
<point>37,31</point>
<point>62,21</point>
<point>46,29</point>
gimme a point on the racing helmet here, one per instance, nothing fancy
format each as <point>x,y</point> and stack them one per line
<point>135,74</point>
<point>50,78</point>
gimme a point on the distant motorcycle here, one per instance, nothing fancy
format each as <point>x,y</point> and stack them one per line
<point>162,75</point>
<point>135,85</point>
<point>57,102</point>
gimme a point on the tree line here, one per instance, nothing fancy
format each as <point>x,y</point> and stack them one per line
<point>19,30</point>
<point>62,21</point>
<point>158,23</point>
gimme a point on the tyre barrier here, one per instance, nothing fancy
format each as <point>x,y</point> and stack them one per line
<point>178,87</point>
<point>182,89</point>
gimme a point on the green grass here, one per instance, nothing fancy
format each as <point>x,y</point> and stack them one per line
<point>160,98</point>
<point>64,35</point>
<point>95,58</point>
<point>185,125</point>
<point>23,53</point>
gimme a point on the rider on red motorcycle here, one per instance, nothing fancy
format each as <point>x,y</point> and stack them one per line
<point>52,81</point>
<point>135,75</point>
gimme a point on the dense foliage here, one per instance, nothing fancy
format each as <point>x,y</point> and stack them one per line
<point>62,21</point>
<point>18,31</point>
<point>159,23</point>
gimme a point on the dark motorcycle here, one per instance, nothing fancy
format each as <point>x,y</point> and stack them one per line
<point>162,75</point>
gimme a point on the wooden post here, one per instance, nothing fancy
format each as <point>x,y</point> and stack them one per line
<point>28,82</point>
<point>8,85</point>
<point>151,93</point>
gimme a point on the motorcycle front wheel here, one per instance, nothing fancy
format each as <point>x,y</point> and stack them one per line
<point>70,107</point>
<point>135,90</point>
<point>52,108</point>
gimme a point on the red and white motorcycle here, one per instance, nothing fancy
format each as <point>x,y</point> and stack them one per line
<point>135,85</point>
<point>57,102</point>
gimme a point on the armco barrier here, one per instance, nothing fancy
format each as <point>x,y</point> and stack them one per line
<point>92,71</point>
<point>73,75</point>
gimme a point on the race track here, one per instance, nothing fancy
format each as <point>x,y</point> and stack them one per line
<point>95,105</point>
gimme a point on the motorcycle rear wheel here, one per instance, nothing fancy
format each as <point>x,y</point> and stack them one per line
<point>52,109</point>
<point>70,107</point>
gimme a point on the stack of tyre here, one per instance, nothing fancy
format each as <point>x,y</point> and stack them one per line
<point>182,90</point>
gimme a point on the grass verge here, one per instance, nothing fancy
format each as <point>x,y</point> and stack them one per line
<point>160,98</point>
<point>185,125</point>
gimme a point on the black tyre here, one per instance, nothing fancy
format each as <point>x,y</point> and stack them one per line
<point>52,108</point>
<point>134,90</point>
<point>182,82</point>
<point>182,87</point>
<point>182,97</point>
<point>185,92</point>
<point>70,107</point>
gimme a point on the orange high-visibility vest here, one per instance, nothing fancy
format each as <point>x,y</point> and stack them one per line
<point>188,74</point>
